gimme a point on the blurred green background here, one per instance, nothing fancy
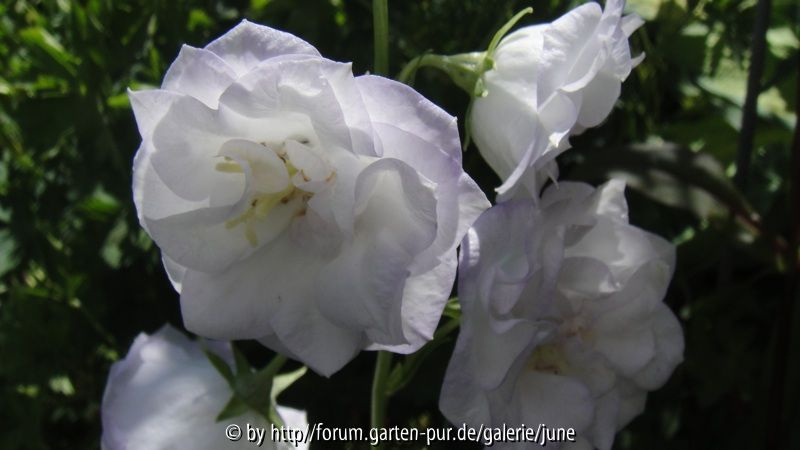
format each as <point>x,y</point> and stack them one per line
<point>79,278</point>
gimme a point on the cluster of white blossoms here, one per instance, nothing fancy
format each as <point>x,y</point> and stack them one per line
<point>563,320</point>
<point>319,213</point>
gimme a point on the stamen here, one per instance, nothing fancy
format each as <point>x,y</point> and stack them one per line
<point>261,204</point>
<point>229,167</point>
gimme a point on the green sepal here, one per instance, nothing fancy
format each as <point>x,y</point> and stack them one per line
<point>234,408</point>
<point>466,70</point>
<point>253,390</point>
<point>502,32</point>
<point>222,367</point>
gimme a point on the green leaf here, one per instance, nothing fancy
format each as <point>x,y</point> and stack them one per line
<point>8,252</point>
<point>647,9</point>
<point>782,41</point>
<point>40,38</point>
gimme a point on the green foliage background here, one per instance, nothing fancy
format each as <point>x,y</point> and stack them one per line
<point>79,278</point>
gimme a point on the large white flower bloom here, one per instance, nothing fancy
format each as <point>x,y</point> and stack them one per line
<point>549,81</point>
<point>563,321</point>
<point>165,394</point>
<point>296,204</point>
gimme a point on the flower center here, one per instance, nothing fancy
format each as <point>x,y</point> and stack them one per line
<point>551,357</point>
<point>548,358</point>
<point>275,185</point>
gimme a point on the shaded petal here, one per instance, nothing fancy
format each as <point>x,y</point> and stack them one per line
<point>240,302</point>
<point>669,349</point>
<point>166,394</point>
<point>395,222</point>
<point>554,400</point>
<point>631,23</point>
<point>599,97</point>
<point>175,272</point>
<point>462,399</point>
<point>459,200</point>
<point>185,144</point>
<point>424,299</point>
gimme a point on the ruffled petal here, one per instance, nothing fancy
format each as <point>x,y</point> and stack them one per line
<point>248,44</point>
<point>199,73</point>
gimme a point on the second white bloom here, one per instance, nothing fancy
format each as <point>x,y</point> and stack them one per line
<point>563,321</point>
<point>549,81</point>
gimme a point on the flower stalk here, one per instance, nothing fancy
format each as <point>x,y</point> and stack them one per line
<point>380,23</point>
<point>383,365</point>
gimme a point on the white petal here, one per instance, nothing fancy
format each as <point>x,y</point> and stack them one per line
<point>410,112</point>
<point>395,222</point>
<point>669,349</point>
<point>605,422</point>
<point>319,96</point>
<point>505,128</point>
<point>175,272</point>
<point>462,399</point>
<point>149,107</point>
<point>318,342</point>
<point>272,293</point>
<point>200,74</point>
<point>566,58</point>
<point>459,200</point>
<point>555,400</point>
<point>631,23</point>
<point>186,143</point>
<point>632,402</point>
<point>248,44</point>
<point>239,303</point>
<point>623,334</point>
<point>424,298</point>
<point>166,394</point>
<point>599,97</point>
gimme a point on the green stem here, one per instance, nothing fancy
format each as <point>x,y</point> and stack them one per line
<point>380,24</point>
<point>383,364</point>
<point>464,69</point>
<point>275,364</point>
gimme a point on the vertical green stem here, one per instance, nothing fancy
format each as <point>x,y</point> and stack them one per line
<point>380,24</point>
<point>383,365</point>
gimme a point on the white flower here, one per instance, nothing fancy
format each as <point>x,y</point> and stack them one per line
<point>549,81</point>
<point>563,321</point>
<point>166,394</point>
<point>298,205</point>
